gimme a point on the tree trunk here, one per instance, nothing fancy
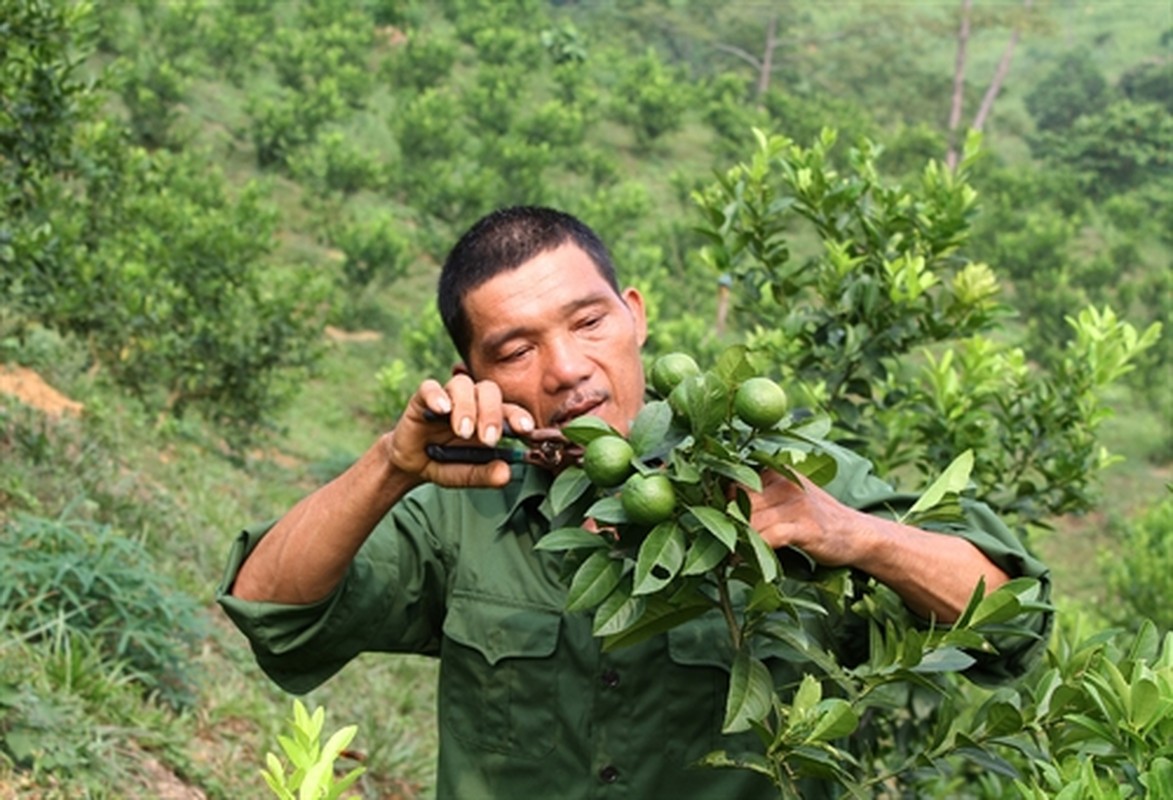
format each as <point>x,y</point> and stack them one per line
<point>767,64</point>
<point>763,65</point>
<point>1000,73</point>
<point>958,84</point>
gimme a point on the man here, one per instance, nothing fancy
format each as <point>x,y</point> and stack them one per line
<point>403,553</point>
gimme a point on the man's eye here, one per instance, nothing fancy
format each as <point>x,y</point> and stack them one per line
<point>514,355</point>
<point>591,322</point>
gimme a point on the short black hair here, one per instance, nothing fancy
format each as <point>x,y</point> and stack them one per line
<point>504,240</point>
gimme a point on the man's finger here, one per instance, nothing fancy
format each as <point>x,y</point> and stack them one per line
<point>518,419</point>
<point>434,399</point>
<point>489,413</point>
<point>462,392</point>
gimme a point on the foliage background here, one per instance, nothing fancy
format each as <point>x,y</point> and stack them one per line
<point>204,202</point>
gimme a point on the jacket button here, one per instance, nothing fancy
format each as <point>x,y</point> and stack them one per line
<point>610,678</point>
<point>609,774</point>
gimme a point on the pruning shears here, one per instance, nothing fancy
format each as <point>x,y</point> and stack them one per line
<point>551,452</point>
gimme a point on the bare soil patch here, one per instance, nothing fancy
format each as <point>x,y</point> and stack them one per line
<point>31,389</point>
<point>339,335</point>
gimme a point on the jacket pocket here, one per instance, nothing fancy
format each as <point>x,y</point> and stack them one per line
<point>499,675</point>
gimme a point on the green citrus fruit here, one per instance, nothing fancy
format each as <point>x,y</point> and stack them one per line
<point>648,500</point>
<point>607,460</point>
<point>669,370</point>
<point>760,403</point>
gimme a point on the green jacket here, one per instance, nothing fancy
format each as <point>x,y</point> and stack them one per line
<point>529,705</point>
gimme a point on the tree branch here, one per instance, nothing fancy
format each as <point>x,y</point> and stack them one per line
<point>999,74</point>
<point>747,57</point>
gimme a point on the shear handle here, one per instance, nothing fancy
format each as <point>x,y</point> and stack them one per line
<point>464,454</point>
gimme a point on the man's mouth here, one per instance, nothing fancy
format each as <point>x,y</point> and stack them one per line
<point>578,405</point>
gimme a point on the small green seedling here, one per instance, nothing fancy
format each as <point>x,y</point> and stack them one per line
<point>313,766</point>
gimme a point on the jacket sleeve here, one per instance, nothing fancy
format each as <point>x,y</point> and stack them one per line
<point>391,600</point>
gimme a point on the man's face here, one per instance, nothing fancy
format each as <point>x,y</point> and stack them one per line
<point>558,340</point>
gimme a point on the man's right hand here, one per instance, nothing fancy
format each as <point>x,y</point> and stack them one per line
<point>461,412</point>
<point>307,552</point>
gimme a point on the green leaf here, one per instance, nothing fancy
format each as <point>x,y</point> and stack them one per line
<point>717,523</point>
<point>294,751</point>
<point>683,470</point>
<point>733,366</point>
<point>338,742</point>
<point>1144,702</point>
<point>1159,779</point>
<point>766,560</point>
<point>989,761</point>
<point>765,597</point>
<point>704,400</point>
<point>996,608</point>
<point>738,473</point>
<point>975,599</point>
<point>345,782</point>
<point>1147,643</point>
<point>618,612</point>
<point>952,481</point>
<point>706,552</point>
<point>819,468</point>
<point>571,539</point>
<point>608,510</point>
<point>751,693</point>
<point>754,762</point>
<point>1002,719</point>
<point>945,659</point>
<point>1094,727</point>
<point>815,761</point>
<point>313,785</point>
<point>836,718</point>
<point>596,578</point>
<point>813,432</point>
<point>659,616</point>
<point>584,430</point>
<point>809,693</point>
<point>660,557</point>
<point>650,428</point>
<point>571,484</point>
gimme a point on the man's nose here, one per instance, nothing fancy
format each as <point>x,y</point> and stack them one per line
<point>566,365</point>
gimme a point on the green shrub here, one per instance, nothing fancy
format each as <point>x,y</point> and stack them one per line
<point>651,98</point>
<point>334,163</point>
<point>376,251</point>
<point>871,325</point>
<point>93,580</point>
<point>1138,567</point>
<point>422,62</point>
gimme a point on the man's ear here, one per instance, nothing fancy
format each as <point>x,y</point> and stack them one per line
<point>635,302</point>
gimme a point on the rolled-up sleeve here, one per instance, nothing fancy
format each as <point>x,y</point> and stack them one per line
<point>1021,641</point>
<point>390,600</point>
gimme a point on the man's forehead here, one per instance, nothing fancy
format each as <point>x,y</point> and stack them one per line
<point>553,284</point>
<point>553,268</point>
